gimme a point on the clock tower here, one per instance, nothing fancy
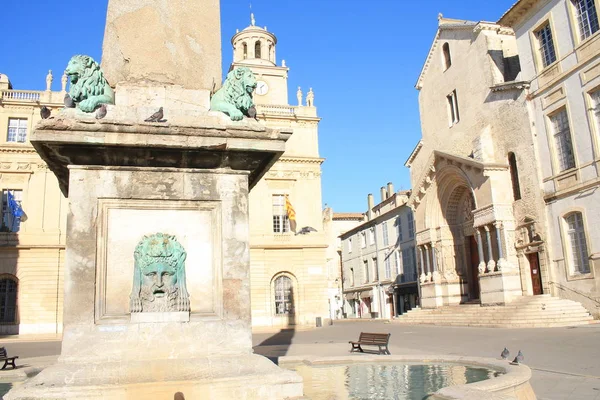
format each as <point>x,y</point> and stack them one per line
<point>290,279</point>
<point>254,47</point>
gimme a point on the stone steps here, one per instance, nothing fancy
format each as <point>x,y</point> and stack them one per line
<point>526,312</point>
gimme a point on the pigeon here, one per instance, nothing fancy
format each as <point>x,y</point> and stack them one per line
<point>69,103</point>
<point>45,112</point>
<point>252,112</point>
<point>306,230</point>
<point>505,354</point>
<point>156,117</point>
<point>518,359</point>
<point>101,113</point>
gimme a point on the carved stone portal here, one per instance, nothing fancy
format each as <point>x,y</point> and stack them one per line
<point>159,275</point>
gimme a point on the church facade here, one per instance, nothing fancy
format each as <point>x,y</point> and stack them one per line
<point>478,208</point>
<point>289,279</point>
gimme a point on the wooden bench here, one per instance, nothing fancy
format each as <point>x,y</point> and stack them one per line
<point>372,339</point>
<point>7,360</point>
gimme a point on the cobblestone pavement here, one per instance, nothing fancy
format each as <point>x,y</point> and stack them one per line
<point>565,361</point>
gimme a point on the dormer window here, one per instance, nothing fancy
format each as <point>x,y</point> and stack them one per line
<point>446,54</point>
<point>257,49</point>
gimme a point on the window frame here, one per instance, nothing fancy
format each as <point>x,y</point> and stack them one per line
<point>288,298</point>
<point>446,56</point>
<point>399,224</point>
<point>15,315</point>
<point>535,44</point>
<point>350,245</point>
<point>371,236</point>
<point>594,118</point>
<point>411,225</point>
<point>388,267</point>
<point>385,233</point>
<point>366,271</point>
<point>283,217</point>
<point>5,219</point>
<point>453,109</point>
<point>553,143</point>
<point>574,22</point>
<point>514,175</point>
<point>363,240</point>
<point>570,270</point>
<point>19,127</point>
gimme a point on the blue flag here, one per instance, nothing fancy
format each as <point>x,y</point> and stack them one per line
<point>13,207</point>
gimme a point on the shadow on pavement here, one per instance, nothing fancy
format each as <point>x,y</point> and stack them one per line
<point>276,346</point>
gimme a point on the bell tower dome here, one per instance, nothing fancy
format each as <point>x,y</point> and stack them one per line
<point>254,45</point>
<point>254,48</point>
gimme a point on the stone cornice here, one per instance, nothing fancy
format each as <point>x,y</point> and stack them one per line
<point>413,154</point>
<point>20,149</point>
<point>304,160</point>
<point>517,12</point>
<point>514,85</point>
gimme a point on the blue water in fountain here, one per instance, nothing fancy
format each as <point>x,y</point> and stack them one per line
<point>385,381</point>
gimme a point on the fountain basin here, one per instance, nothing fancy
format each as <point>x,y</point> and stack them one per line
<point>503,382</point>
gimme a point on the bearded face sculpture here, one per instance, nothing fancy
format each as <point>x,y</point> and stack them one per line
<point>159,275</point>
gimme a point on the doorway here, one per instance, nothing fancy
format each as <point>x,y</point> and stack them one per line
<point>473,269</point>
<point>536,276</point>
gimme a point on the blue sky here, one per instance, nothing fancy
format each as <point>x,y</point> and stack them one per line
<point>362,59</point>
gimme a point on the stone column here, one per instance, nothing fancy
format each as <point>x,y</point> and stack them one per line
<point>264,50</point>
<point>481,265</point>
<point>427,259</point>
<point>423,276</point>
<point>499,241</point>
<point>491,265</point>
<point>436,270</point>
<point>394,301</point>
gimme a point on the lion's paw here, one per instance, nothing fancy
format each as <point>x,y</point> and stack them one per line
<point>88,105</point>
<point>236,115</point>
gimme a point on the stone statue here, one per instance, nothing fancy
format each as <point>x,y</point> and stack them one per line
<point>63,82</point>
<point>252,20</point>
<point>235,97</point>
<point>299,96</point>
<point>310,98</point>
<point>89,88</point>
<point>49,80</point>
<point>159,275</point>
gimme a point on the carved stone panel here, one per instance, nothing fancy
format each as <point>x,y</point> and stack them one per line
<point>124,224</point>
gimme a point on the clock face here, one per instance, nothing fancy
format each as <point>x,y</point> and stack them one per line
<point>262,88</point>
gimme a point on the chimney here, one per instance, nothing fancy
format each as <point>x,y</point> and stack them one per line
<point>390,189</point>
<point>383,193</point>
<point>370,205</point>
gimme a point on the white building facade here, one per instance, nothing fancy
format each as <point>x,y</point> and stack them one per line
<point>379,260</point>
<point>559,50</point>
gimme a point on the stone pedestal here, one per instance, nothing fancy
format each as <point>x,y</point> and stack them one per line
<point>124,180</point>
<point>431,295</point>
<point>500,288</point>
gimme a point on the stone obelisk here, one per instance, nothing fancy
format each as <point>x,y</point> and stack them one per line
<point>157,283</point>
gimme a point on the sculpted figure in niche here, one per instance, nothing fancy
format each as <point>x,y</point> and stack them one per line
<point>159,275</point>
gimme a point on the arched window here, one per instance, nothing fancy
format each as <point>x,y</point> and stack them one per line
<point>514,176</point>
<point>577,244</point>
<point>284,295</point>
<point>245,48</point>
<point>8,300</point>
<point>257,49</point>
<point>447,58</point>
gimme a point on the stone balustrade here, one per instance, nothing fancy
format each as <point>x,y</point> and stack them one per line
<point>21,95</point>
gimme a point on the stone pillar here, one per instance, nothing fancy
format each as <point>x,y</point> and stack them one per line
<point>428,264</point>
<point>394,303</point>
<point>481,265</point>
<point>164,42</point>
<point>498,226</point>
<point>423,276</point>
<point>436,270</point>
<point>491,265</point>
